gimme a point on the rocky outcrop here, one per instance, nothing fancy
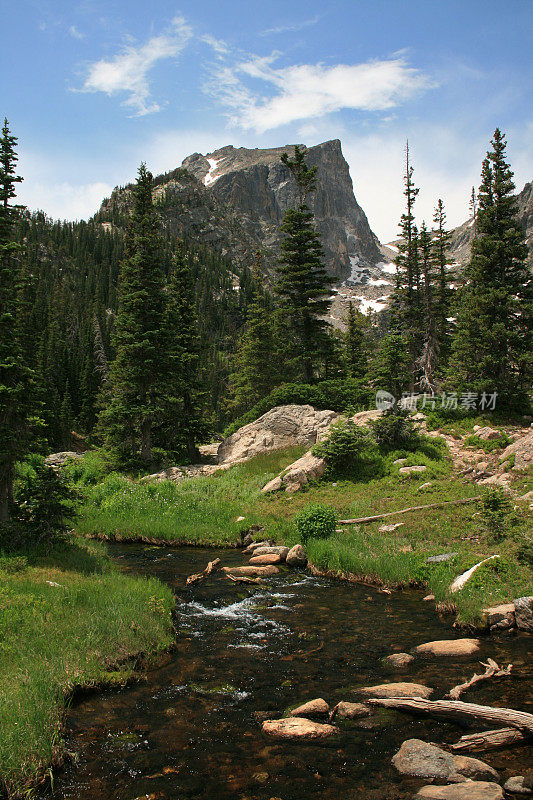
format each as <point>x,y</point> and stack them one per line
<point>283,426</point>
<point>57,460</point>
<point>449,647</point>
<point>522,450</point>
<point>305,469</point>
<point>259,188</point>
<point>418,759</point>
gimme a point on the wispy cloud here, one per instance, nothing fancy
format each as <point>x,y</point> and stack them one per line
<point>308,91</point>
<point>128,71</point>
<point>75,33</point>
<point>294,28</point>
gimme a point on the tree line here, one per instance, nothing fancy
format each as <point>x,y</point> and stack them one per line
<point>143,342</point>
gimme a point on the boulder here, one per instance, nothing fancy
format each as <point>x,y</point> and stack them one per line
<point>502,616</point>
<point>345,710</point>
<point>399,461</point>
<point>414,470</point>
<point>449,647</point>
<point>272,558</point>
<point>397,690</point>
<point>515,785</point>
<point>469,790</point>
<point>524,613</point>
<point>398,660</point>
<point>488,434</point>
<point>298,728</point>
<point>263,571</point>
<point>441,558</point>
<point>305,469</point>
<point>252,547</point>
<point>522,449</point>
<point>283,426</point>
<point>314,708</point>
<point>270,550</point>
<point>363,418</point>
<point>296,557</point>
<point>57,460</point>
<point>419,759</point>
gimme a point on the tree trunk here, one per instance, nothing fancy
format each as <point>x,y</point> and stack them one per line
<point>6,490</point>
<point>360,520</point>
<point>146,441</point>
<point>463,712</point>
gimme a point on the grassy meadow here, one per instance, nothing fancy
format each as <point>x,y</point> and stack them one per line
<point>206,511</point>
<point>68,619</point>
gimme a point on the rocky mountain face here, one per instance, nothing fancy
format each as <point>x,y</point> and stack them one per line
<point>462,236</point>
<point>256,185</point>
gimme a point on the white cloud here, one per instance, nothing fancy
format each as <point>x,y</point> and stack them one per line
<point>294,28</point>
<point>75,33</point>
<point>128,71</point>
<point>309,91</point>
<point>64,200</point>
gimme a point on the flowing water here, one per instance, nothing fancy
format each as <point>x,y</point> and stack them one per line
<point>246,653</point>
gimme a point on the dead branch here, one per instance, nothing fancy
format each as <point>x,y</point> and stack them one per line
<point>199,576</point>
<point>489,740</point>
<point>242,578</point>
<point>456,710</point>
<point>361,520</point>
<point>492,670</point>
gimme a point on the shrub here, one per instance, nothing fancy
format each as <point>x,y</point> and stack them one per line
<point>88,470</point>
<point>316,522</point>
<point>335,395</point>
<point>346,448</point>
<point>395,429</point>
<point>525,552</point>
<point>488,445</point>
<point>496,512</point>
<point>45,502</point>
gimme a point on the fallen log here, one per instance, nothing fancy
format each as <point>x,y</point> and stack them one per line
<point>492,670</point>
<point>361,520</point>
<point>242,578</point>
<point>457,710</point>
<point>199,576</point>
<point>489,740</point>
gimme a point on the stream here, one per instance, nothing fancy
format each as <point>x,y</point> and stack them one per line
<point>246,653</point>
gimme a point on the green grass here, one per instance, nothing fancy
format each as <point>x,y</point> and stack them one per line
<point>85,631</point>
<point>205,511</point>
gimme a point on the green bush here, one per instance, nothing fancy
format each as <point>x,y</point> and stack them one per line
<point>316,522</point>
<point>44,503</point>
<point>336,395</point>
<point>497,512</point>
<point>347,448</point>
<point>88,470</point>
<point>488,445</point>
<point>395,429</point>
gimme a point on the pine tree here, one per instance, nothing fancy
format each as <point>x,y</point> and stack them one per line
<point>137,372</point>
<point>493,344</point>
<point>302,282</point>
<point>15,377</point>
<point>427,361</point>
<point>355,345</point>
<point>442,292</point>
<point>184,402</point>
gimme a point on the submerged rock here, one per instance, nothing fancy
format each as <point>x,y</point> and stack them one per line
<point>298,728</point>
<point>268,550</point>
<point>516,785</point>
<point>469,790</point>
<point>272,558</point>
<point>398,660</point>
<point>311,709</point>
<point>449,647</point>
<point>397,690</point>
<point>296,557</point>
<point>345,710</point>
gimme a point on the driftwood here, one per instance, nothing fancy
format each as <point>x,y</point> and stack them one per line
<point>460,581</point>
<point>492,670</point>
<point>489,740</point>
<point>199,576</point>
<point>361,520</point>
<point>242,578</point>
<point>464,712</point>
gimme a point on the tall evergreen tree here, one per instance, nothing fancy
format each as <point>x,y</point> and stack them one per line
<point>184,402</point>
<point>137,373</point>
<point>302,282</point>
<point>492,349</point>
<point>442,294</point>
<point>14,374</point>
<point>427,361</point>
<point>355,344</point>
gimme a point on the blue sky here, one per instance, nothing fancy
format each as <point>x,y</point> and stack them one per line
<point>91,88</point>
